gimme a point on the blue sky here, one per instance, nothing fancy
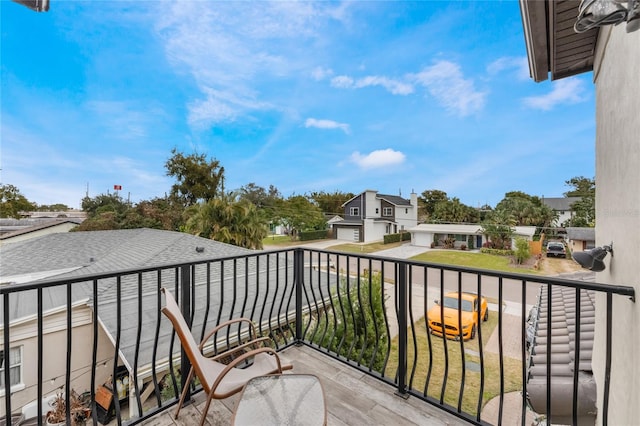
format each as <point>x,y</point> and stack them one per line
<point>306,96</point>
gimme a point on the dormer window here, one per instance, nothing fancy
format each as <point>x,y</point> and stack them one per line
<point>354,211</point>
<point>387,211</point>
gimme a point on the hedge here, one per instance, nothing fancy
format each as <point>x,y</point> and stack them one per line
<point>394,238</point>
<point>312,235</point>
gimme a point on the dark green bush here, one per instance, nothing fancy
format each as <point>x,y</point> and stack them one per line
<point>394,238</point>
<point>313,235</point>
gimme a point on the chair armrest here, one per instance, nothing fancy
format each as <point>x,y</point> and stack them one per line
<point>240,347</point>
<point>241,359</point>
<point>227,324</point>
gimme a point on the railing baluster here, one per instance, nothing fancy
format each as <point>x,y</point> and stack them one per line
<point>548,360</point>
<point>444,340</point>
<point>402,327</point>
<point>607,367</point>
<point>463,366</point>
<point>523,351</point>
<point>576,360</point>
<point>480,350</point>
<point>500,348</point>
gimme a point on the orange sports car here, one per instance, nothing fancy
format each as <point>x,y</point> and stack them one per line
<point>469,306</point>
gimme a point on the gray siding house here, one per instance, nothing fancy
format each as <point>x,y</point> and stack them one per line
<point>370,216</point>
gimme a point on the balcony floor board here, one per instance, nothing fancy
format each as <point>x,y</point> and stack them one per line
<point>352,397</point>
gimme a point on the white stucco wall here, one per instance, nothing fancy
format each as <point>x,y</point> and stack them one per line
<point>617,80</point>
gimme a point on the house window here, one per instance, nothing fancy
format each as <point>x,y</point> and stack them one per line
<point>354,211</point>
<point>406,211</point>
<point>377,210</point>
<point>387,211</point>
<point>15,366</point>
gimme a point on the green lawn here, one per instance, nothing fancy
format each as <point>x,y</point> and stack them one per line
<point>473,260</point>
<point>364,248</point>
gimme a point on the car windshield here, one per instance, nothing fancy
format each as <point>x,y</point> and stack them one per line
<point>452,302</point>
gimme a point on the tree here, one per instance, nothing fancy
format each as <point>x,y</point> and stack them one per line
<point>428,201</point>
<point>229,221</point>
<point>355,328</point>
<point>526,210</point>
<point>104,212</point>
<point>585,209</point>
<point>52,208</point>
<point>297,213</point>
<point>12,202</point>
<point>330,202</point>
<point>522,252</point>
<point>265,200</point>
<point>197,179</point>
<point>454,211</point>
<point>498,229</point>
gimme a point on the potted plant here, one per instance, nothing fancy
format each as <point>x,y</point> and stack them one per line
<point>58,413</point>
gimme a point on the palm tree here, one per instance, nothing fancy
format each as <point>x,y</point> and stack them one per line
<point>229,221</point>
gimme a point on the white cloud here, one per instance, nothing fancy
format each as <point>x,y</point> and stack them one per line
<point>394,87</point>
<point>567,91</point>
<point>228,48</point>
<point>320,73</point>
<point>379,158</point>
<point>445,82</point>
<point>520,64</point>
<point>326,124</point>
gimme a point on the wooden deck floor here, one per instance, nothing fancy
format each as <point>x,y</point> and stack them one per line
<point>352,398</point>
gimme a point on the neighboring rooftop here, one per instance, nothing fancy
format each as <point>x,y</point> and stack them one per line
<point>560,203</point>
<point>582,234</point>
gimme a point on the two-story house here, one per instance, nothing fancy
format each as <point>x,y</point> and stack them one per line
<point>562,207</point>
<point>370,216</point>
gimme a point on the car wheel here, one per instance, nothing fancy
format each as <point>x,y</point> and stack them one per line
<point>473,332</point>
<point>486,315</point>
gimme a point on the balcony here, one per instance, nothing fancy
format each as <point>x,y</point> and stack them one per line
<point>356,321</point>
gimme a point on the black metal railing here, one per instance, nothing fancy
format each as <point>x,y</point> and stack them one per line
<point>105,333</point>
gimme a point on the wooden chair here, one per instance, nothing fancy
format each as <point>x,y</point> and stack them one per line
<point>220,380</point>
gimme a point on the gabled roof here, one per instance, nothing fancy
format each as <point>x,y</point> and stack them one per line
<point>92,252</point>
<point>77,254</point>
<point>394,199</point>
<point>553,46</point>
<point>22,227</point>
<point>560,203</point>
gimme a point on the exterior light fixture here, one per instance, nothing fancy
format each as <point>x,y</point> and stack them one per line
<point>596,13</point>
<point>592,259</point>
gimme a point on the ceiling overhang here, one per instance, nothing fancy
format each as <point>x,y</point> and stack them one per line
<point>554,49</point>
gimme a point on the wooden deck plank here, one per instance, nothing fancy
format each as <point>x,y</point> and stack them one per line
<point>352,398</point>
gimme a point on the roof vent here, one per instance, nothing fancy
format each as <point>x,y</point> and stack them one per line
<point>200,249</point>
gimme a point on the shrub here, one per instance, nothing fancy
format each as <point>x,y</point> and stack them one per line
<point>394,238</point>
<point>470,242</point>
<point>522,252</point>
<point>312,235</point>
<point>463,247</point>
<point>497,252</point>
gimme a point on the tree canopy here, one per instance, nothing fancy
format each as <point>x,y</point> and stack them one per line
<point>330,202</point>
<point>585,209</point>
<point>228,221</point>
<point>197,179</point>
<point>12,202</point>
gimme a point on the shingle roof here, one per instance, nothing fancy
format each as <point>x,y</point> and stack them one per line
<point>69,255</point>
<point>394,199</point>
<point>563,351</point>
<point>107,251</point>
<point>583,234</point>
